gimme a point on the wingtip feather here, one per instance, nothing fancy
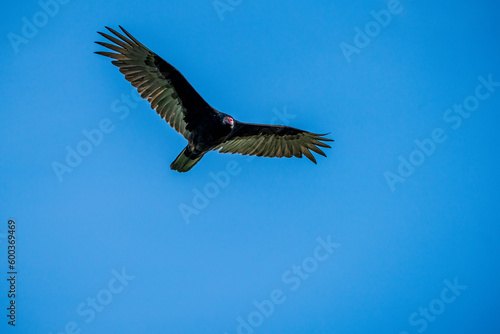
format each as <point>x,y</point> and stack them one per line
<point>308,154</point>
<point>317,150</point>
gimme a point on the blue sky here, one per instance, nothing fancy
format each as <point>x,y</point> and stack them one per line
<point>394,232</point>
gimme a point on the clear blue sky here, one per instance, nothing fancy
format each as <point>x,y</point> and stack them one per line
<point>396,231</point>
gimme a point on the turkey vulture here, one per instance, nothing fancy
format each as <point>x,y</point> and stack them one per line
<point>204,127</point>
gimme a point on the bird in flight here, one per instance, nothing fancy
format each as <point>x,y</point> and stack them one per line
<point>204,127</point>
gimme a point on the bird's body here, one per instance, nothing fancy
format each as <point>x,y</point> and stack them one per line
<point>204,127</point>
<point>202,140</point>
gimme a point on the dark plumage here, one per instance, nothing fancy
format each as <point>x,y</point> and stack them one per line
<point>205,128</point>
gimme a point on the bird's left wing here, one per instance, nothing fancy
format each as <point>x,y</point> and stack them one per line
<point>273,141</point>
<point>166,89</point>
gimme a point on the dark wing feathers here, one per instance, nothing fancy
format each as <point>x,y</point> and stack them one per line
<point>273,141</point>
<point>166,89</point>
<point>176,101</point>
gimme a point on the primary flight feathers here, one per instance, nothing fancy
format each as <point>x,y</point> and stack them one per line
<point>204,127</point>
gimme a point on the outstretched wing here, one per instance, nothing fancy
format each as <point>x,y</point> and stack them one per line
<point>166,89</point>
<point>273,141</point>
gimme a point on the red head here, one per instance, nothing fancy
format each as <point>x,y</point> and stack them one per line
<point>228,120</point>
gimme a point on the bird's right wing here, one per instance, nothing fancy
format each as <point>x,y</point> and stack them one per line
<point>166,89</point>
<point>273,141</point>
